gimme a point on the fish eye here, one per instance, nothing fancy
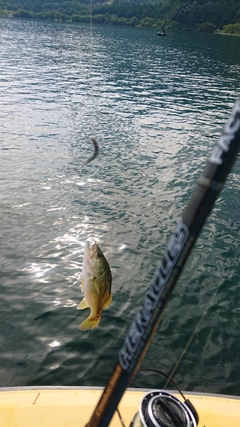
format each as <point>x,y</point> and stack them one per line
<point>99,255</point>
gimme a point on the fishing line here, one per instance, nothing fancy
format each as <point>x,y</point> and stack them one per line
<point>169,378</point>
<point>92,139</point>
<point>91,63</point>
<point>91,19</point>
<point>120,418</point>
<point>196,329</point>
<point>90,91</point>
<point>157,371</point>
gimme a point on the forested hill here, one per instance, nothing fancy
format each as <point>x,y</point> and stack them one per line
<point>201,15</point>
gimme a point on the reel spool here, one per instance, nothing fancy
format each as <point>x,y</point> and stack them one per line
<point>161,409</point>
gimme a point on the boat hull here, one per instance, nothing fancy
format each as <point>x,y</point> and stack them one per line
<point>64,407</point>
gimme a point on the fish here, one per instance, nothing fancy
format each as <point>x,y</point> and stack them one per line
<point>93,156</point>
<point>96,282</point>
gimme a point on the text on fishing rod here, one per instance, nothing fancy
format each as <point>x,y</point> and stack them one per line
<point>153,294</point>
<point>231,128</point>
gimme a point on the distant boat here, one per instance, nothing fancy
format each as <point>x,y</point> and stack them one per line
<point>163,33</point>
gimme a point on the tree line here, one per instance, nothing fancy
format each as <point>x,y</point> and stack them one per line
<point>201,15</point>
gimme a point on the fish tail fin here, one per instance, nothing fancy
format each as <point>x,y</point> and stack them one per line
<point>108,302</point>
<point>83,304</point>
<point>89,323</point>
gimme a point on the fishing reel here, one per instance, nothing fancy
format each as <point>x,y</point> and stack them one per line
<point>159,408</point>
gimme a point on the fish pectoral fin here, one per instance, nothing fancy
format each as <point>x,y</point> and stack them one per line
<point>95,284</point>
<point>89,323</point>
<point>108,302</point>
<point>83,304</point>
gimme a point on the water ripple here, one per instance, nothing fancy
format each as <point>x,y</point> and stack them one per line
<point>156,108</point>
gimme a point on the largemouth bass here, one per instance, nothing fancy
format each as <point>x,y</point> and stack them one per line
<point>96,285</point>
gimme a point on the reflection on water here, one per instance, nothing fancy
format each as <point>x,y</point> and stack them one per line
<point>156,108</point>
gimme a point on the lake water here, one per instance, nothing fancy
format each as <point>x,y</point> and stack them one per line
<point>156,106</point>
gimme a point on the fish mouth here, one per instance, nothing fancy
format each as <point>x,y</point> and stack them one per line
<point>91,249</point>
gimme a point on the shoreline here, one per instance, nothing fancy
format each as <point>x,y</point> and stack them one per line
<point>11,15</point>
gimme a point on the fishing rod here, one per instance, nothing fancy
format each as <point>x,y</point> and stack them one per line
<point>157,296</point>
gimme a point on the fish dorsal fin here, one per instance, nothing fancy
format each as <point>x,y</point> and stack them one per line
<point>83,304</point>
<point>108,302</point>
